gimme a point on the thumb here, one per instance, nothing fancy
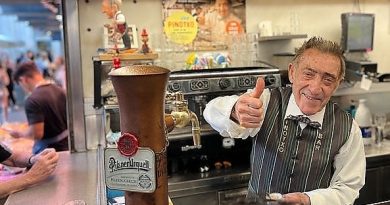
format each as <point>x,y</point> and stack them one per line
<point>258,90</point>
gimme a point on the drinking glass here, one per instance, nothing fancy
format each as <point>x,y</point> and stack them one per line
<point>294,23</point>
<point>380,122</point>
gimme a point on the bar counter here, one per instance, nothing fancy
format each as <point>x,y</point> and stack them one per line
<point>76,178</point>
<point>377,156</point>
<point>377,151</point>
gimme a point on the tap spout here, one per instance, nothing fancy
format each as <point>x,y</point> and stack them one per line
<point>180,117</point>
<point>195,130</point>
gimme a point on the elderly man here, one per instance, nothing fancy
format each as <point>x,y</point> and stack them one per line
<point>304,146</point>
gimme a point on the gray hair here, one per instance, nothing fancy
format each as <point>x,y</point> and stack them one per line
<point>118,2</point>
<point>325,46</point>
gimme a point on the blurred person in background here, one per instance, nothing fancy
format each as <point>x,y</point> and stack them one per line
<point>45,109</point>
<point>10,86</point>
<point>43,63</point>
<point>58,67</point>
<point>4,81</point>
<point>41,166</point>
<point>28,56</point>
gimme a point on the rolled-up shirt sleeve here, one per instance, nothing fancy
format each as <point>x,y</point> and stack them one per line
<point>349,176</point>
<point>217,114</point>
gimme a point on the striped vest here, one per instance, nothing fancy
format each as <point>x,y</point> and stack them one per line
<point>287,159</point>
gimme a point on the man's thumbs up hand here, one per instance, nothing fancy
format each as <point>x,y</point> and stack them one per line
<point>248,110</point>
<point>258,90</point>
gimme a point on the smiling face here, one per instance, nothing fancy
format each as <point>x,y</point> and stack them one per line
<point>222,7</point>
<point>315,75</point>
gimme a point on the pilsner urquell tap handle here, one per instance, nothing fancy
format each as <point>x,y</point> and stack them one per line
<point>181,116</point>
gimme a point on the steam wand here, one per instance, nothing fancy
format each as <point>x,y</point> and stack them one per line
<point>180,117</point>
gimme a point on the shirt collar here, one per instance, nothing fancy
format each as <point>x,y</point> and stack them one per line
<point>293,109</point>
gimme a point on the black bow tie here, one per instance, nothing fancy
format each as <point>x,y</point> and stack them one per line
<point>306,120</point>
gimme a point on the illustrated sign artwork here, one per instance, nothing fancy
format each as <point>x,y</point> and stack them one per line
<point>216,19</point>
<point>181,27</point>
<point>136,173</point>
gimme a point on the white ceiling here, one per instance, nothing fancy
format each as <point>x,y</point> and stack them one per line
<point>40,14</point>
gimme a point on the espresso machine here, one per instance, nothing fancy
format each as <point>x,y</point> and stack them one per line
<point>218,172</point>
<point>201,86</point>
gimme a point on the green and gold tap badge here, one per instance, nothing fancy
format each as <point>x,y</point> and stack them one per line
<point>181,27</point>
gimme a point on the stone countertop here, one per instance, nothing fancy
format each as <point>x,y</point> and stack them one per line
<point>374,150</point>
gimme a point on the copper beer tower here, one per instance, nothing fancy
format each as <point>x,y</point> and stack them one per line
<point>141,92</point>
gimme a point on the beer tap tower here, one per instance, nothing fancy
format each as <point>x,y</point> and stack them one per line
<point>138,165</point>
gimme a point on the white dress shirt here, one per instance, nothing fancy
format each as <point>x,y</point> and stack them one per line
<point>349,164</point>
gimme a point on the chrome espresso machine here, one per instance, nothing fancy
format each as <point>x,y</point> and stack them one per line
<point>216,172</point>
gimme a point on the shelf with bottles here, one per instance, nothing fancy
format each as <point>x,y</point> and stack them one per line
<point>281,37</point>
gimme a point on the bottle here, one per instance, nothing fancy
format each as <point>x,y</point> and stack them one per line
<point>363,118</point>
<point>352,108</point>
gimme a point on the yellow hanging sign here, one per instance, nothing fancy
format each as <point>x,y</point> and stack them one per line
<point>181,27</point>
